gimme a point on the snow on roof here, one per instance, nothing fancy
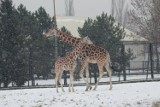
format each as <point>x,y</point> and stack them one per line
<point>72,23</point>
<point>131,36</point>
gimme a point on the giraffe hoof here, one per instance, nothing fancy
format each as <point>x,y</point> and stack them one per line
<point>110,88</point>
<point>90,87</point>
<point>94,89</point>
<point>86,89</point>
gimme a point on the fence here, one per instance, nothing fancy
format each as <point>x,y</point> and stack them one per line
<point>146,61</point>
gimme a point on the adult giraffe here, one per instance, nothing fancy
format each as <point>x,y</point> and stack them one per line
<point>90,54</point>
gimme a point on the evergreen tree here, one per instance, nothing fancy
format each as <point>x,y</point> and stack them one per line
<point>23,49</point>
<point>24,26</point>
<point>42,48</point>
<point>44,21</point>
<point>10,43</point>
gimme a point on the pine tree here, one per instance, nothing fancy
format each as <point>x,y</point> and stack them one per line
<point>10,43</point>
<point>22,43</point>
<point>44,21</point>
<point>42,48</point>
<point>23,29</point>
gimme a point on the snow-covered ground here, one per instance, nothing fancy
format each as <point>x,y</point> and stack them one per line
<point>104,79</point>
<point>122,95</point>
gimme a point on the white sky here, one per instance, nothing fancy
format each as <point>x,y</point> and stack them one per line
<point>89,8</point>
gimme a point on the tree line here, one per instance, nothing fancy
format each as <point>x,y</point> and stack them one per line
<point>24,51</point>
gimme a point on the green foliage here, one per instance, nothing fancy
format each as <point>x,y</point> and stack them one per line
<point>42,48</point>
<point>9,41</point>
<point>44,21</point>
<point>23,50</point>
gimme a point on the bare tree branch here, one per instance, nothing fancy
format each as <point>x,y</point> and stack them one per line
<point>120,11</point>
<point>69,8</point>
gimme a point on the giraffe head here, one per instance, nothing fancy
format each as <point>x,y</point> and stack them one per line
<point>50,32</point>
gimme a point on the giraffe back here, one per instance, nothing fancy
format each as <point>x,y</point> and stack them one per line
<point>94,54</point>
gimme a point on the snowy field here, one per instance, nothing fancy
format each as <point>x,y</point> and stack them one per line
<point>122,95</point>
<point>104,79</point>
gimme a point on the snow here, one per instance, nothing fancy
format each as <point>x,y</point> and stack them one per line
<point>122,95</point>
<point>104,78</point>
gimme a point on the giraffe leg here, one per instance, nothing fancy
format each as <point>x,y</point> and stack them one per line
<point>87,78</point>
<point>56,80</point>
<point>100,75</point>
<point>69,89</point>
<point>60,80</point>
<point>81,74</point>
<point>72,81</point>
<point>110,75</point>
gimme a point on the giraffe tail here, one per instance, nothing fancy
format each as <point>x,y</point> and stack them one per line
<point>110,64</point>
<point>109,61</point>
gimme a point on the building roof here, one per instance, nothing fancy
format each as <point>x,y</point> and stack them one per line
<point>72,23</point>
<point>131,36</point>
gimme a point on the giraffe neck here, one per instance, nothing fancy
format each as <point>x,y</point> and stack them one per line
<point>68,38</point>
<point>76,51</point>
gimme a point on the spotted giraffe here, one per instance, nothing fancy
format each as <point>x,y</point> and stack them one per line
<point>68,63</point>
<point>90,54</point>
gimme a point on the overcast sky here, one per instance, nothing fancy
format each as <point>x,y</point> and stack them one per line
<point>89,8</point>
<point>82,7</point>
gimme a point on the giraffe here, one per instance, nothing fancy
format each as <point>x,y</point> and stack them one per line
<point>68,63</point>
<point>90,54</point>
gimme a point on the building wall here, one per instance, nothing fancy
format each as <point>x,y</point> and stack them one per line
<point>140,51</point>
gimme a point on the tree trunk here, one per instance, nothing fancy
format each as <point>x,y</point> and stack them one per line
<point>6,83</point>
<point>157,56</point>
<point>151,59</point>
<point>123,62</point>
